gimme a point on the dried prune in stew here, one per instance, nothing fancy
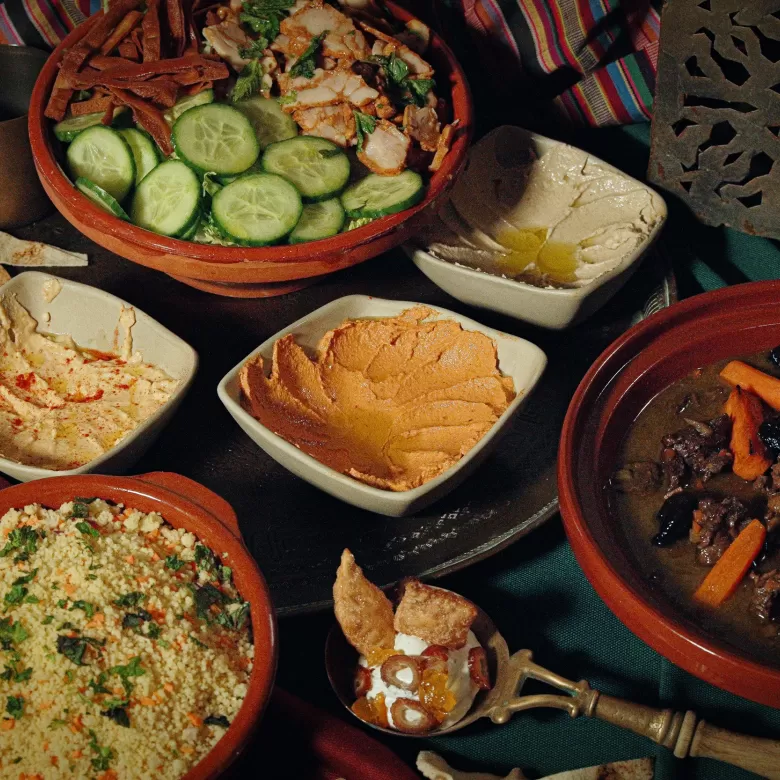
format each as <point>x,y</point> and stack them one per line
<point>774,356</point>
<point>675,518</point>
<point>769,433</point>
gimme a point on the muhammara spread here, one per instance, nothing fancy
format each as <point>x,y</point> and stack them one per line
<point>62,406</point>
<point>392,402</point>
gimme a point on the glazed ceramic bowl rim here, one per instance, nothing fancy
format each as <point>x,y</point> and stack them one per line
<point>574,293</point>
<point>155,488</point>
<point>36,472</point>
<point>632,608</point>
<point>49,170</point>
<point>349,484</point>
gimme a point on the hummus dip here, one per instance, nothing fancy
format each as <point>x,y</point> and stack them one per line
<point>541,212</point>
<point>61,405</point>
<point>392,402</point>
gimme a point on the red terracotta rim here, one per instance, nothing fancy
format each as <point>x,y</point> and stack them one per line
<point>186,503</point>
<point>678,640</point>
<point>58,184</point>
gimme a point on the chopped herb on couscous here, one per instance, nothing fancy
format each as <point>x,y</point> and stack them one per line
<point>125,648</point>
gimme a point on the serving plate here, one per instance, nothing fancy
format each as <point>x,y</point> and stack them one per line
<point>295,531</point>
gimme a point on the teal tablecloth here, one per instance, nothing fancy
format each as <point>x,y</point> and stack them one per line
<point>540,599</point>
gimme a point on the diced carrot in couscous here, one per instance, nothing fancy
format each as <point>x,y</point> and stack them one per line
<point>122,663</point>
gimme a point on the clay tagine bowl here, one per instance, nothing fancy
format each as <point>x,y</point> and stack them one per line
<point>250,272</point>
<point>185,503</point>
<point>633,370</point>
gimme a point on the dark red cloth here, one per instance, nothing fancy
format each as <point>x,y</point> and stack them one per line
<point>305,743</point>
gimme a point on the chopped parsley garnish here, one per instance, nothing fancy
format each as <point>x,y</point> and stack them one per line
<point>234,615</point>
<point>15,595</point>
<point>73,647</point>
<point>254,51</point>
<point>132,599</point>
<point>62,603</point>
<point>87,529</point>
<point>98,685</point>
<point>264,17</point>
<point>364,123</point>
<point>24,539</point>
<point>204,558</point>
<point>48,619</point>
<point>28,578</point>
<point>164,643</point>
<point>206,597</point>
<point>11,633</point>
<point>216,720</point>
<point>174,563</point>
<point>80,509</point>
<point>11,674</point>
<point>153,630</point>
<point>104,754</point>
<point>304,65</point>
<point>135,619</point>
<point>15,706</point>
<point>225,572</point>
<point>118,715</point>
<point>89,609</point>
<point>133,669</point>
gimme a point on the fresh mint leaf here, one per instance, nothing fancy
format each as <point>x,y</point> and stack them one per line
<point>15,595</point>
<point>419,89</point>
<point>248,82</point>
<point>24,539</point>
<point>304,65</point>
<point>74,647</point>
<point>133,669</point>
<point>205,598</point>
<point>26,579</point>
<point>11,633</point>
<point>174,563</point>
<point>364,123</point>
<point>15,706</point>
<point>132,599</point>
<point>98,685</point>
<point>204,557</point>
<point>104,754</point>
<point>118,715</point>
<point>87,529</point>
<point>234,616</point>
<point>85,606</point>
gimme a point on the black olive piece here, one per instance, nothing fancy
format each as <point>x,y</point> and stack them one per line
<point>769,433</point>
<point>675,518</point>
<point>774,356</point>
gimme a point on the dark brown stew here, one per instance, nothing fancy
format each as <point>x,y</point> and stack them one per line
<point>675,460</point>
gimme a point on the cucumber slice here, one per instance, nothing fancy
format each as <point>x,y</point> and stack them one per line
<point>144,151</point>
<point>257,209</point>
<point>318,220</point>
<point>103,156</point>
<point>69,128</point>
<point>270,123</point>
<point>318,168</point>
<point>99,196</point>
<point>167,201</point>
<point>188,102</point>
<point>215,137</point>
<point>378,196</point>
<point>190,232</point>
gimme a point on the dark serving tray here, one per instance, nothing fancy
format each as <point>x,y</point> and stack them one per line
<point>296,532</point>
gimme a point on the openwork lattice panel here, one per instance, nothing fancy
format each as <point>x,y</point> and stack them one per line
<point>716,118</point>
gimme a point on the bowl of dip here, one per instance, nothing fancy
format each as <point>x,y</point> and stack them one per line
<point>539,230</point>
<point>88,381</point>
<point>387,405</point>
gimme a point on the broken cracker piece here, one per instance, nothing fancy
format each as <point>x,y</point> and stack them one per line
<point>14,251</point>
<point>364,613</point>
<point>4,275</point>
<point>438,616</point>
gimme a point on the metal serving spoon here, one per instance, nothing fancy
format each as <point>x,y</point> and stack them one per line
<point>683,733</point>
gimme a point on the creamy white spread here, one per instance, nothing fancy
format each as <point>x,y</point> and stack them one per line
<point>545,213</point>
<point>459,678</point>
<point>61,405</point>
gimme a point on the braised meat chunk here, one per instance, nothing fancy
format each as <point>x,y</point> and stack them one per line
<point>719,523</point>
<point>764,604</point>
<point>701,449</point>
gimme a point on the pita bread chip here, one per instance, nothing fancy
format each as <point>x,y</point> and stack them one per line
<point>4,275</point>
<point>434,767</point>
<point>440,617</point>
<point>364,613</point>
<point>31,254</point>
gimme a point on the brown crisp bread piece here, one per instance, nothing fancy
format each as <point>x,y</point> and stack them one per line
<point>438,616</point>
<point>364,613</point>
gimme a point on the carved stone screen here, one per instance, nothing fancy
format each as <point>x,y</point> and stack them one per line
<point>716,117</point>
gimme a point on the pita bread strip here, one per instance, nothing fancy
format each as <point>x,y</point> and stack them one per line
<point>26,254</point>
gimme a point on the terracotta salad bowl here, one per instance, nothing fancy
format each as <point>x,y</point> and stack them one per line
<point>185,503</point>
<point>247,271</point>
<point>650,357</point>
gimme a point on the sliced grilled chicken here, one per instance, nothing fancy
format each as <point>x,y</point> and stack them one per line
<point>384,151</point>
<point>343,39</point>
<point>326,88</point>
<point>227,38</point>
<point>336,123</point>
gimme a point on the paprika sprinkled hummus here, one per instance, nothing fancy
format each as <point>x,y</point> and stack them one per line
<point>61,405</point>
<point>392,402</point>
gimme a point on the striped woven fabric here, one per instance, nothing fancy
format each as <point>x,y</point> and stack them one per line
<point>594,59</point>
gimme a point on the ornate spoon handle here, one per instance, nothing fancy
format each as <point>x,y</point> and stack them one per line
<point>685,735</point>
<point>682,733</point>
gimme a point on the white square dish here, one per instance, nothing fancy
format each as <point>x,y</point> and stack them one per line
<point>550,307</point>
<point>90,317</point>
<point>518,358</point>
